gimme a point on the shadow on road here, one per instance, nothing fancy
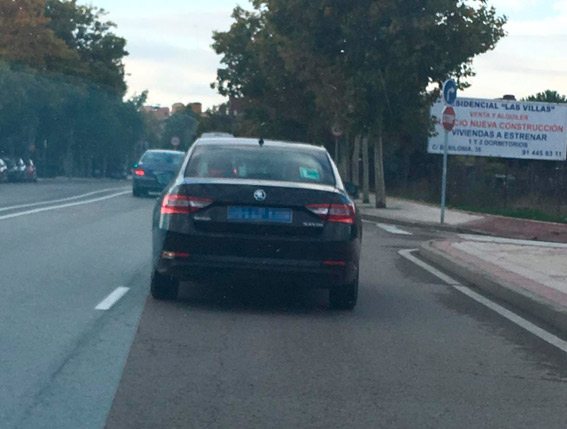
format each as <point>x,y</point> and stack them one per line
<point>256,297</point>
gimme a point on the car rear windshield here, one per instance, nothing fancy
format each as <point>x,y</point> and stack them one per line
<point>261,163</point>
<point>170,158</point>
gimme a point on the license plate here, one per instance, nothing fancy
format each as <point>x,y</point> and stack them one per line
<point>259,214</point>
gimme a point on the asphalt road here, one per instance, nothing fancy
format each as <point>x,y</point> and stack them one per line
<point>60,359</point>
<point>414,353</point>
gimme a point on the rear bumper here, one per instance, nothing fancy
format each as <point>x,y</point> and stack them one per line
<point>147,184</point>
<point>308,273</point>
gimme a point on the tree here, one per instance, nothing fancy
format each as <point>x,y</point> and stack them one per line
<point>366,64</point>
<point>62,90</point>
<point>378,56</point>
<point>217,118</point>
<point>99,52</point>
<point>25,35</point>
<point>182,124</point>
<point>547,96</point>
<point>277,103</point>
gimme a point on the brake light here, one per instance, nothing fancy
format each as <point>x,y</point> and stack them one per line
<point>182,204</point>
<point>174,255</point>
<point>335,263</point>
<point>139,172</point>
<point>341,213</point>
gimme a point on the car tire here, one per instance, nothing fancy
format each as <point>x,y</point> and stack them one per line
<point>164,287</point>
<point>344,297</point>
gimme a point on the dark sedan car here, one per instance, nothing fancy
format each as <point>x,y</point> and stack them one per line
<point>155,170</point>
<point>16,169</point>
<point>243,209</point>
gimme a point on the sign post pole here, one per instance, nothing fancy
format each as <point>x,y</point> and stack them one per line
<point>448,120</point>
<point>444,180</point>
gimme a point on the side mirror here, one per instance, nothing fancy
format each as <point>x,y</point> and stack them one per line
<point>351,189</point>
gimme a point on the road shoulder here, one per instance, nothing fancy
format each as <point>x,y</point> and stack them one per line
<point>538,298</point>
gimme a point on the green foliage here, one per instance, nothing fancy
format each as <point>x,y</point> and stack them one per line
<point>279,104</point>
<point>99,52</point>
<point>217,119</point>
<point>366,64</point>
<point>182,124</point>
<point>62,86</point>
<point>25,35</point>
<point>548,96</point>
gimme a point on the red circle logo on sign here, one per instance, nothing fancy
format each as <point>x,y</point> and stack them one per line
<point>449,118</point>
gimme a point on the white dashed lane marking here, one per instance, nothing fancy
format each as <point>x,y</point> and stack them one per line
<point>392,229</point>
<point>113,298</point>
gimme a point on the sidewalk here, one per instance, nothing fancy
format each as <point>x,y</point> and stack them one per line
<point>519,261</point>
<point>411,213</point>
<point>530,275</point>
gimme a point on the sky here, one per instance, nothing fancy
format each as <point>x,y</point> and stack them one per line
<point>169,42</point>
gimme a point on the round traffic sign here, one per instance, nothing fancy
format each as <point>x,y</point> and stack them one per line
<point>337,131</point>
<point>175,141</point>
<point>449,118</point>
<point>450,92</point>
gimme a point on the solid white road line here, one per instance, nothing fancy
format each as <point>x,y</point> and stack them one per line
<point>392,229</point>
<point>62,200</point>
<point>63,206</point>
<point>408,254</point>
<point>511,316</point>
<point>113,298</point>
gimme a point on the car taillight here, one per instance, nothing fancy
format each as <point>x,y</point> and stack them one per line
<point>341,213</point>
<point>139,172</point>
<point>181,204</point>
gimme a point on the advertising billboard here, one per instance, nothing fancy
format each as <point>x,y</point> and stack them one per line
<point>504,129</point>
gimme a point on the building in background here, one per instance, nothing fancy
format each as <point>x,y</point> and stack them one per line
<point>177,107</point>
<point>197,108</point>
<point>160,113</point>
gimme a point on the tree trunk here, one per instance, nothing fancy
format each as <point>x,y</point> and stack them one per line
<point>344,158</point>
<point>365,171</point>
<point>379,184</point>
<point>70,157</point>
<point>105,166</point>
<point>356,161</point>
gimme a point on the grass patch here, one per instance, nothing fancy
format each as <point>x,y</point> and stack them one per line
<point>531,214</point>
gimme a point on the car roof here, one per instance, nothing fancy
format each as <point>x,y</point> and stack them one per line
<point>228,141</point>
<point>164,151</point>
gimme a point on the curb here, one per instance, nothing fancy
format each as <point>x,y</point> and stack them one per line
<point>414,224</point>
<point>536,305</point>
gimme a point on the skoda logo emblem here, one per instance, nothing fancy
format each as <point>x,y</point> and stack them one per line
<point>260,195</point>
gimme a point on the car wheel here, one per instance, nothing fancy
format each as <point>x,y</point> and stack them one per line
<point>344,297</point>
<point>164,287</point>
